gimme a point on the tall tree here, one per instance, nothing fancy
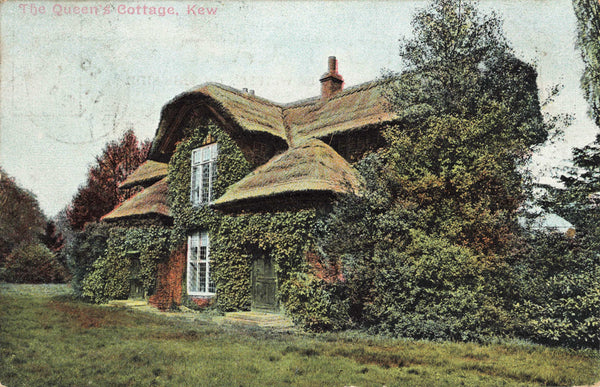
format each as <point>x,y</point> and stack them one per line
<point>21,219</point>
<point>471,116</point>
<point>439,218</point>
<point>588,40</point>
<point>101,192</point>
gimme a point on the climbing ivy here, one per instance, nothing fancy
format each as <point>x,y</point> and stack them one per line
<point>232,166</point>
<point>285,235</point>
<point>111,272</point>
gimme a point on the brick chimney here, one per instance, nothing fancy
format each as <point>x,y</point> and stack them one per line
<point>331,81</point>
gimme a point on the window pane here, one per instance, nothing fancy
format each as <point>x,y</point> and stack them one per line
<point>202,277</point>
<point>205,183</point>
<point>204,239</point>
<point>198,265</point>
<point>195,184</point>
<point>213,177</point>
<point>206,153</point>
<point>193,277</point>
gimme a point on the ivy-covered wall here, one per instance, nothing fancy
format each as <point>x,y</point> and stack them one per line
<point>111,272</point>
<point>286,236</point>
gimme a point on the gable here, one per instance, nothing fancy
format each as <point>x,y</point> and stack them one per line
<point>310,167</point>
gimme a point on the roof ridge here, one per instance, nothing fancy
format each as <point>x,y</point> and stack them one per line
<point>240,93</point>
<point>350,90</point>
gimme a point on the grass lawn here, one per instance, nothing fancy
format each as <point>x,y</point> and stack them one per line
<point>49,339</point>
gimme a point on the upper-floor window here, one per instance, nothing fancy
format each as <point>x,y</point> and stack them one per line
<point>204,173</point>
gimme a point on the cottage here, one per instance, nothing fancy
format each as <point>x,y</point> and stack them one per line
<point>241,179</point>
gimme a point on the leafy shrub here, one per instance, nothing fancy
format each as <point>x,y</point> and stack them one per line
<point>33,263</point>
<point>433,289</point>
<point>86,248</point>
<point>558,285</point>
<point>315,304</point>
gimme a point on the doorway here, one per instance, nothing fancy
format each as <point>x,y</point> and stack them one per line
<point>264,283</point>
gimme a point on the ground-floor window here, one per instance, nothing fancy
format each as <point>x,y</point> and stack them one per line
<point>198,265</point>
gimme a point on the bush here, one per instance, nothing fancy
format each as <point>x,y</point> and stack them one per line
<point>558,285</point>
<point>433,289</point>
<point>315,304</point>
<point>86,248</point>
<point>33,263</point>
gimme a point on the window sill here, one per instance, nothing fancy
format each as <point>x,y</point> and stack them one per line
<point>198,294</point>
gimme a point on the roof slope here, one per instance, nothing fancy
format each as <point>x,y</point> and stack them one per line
<point>312,166</point>
<point>151,201</point>
<point>149,172</point>
<point>243,111</point>
<point>350,109</point>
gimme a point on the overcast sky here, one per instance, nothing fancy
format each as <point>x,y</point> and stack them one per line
<point>72,82</point>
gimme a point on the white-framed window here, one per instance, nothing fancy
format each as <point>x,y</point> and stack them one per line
<point>204,173</point>
<point>198,265</point>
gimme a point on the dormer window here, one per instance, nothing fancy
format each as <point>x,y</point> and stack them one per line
<point>204,173</point>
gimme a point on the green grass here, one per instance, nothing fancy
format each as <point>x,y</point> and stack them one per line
<point>49,339</point>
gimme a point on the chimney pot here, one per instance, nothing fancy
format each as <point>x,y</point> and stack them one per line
<point>245,90</point>
<point>251,92</point>
<point>332,64</point>
<point>331,81</point>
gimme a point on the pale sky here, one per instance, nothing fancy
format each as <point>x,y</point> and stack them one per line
<point>72,82</point>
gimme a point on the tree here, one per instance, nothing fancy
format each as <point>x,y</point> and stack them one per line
<point>440,211</point>
<point>459,63</point>
<point>21,219</point>
<point>101,192</point>
<point>471,117</point>
<point>588,41</point>
<point>558,281</point>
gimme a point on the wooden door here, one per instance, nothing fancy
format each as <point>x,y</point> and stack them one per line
<point>136,287</point>
<point>264,284</point>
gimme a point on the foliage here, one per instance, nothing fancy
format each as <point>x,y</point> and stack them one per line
<point>588,41</point>
<point>87,246</point>
<point>234,239</point>
<point>559,291</point>
<point>125,248</point>
<point>21,219</point>
<point>436,290</point>
<point>560,277</point>
<point>113,346</point>
<point>285,236</point>
<point>101,192</point>
<point>33,262</point>
<point>314,303</point>
<point>426,251</point>
<point>459,63</point>
<point>231,164</point>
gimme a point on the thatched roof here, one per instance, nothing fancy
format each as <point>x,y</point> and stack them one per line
<point>354,108</point>
<point>310,167</point>
<point>351,109</point>
<point>147,173</point>
<point>238,111</point>
<point>152,201</point>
